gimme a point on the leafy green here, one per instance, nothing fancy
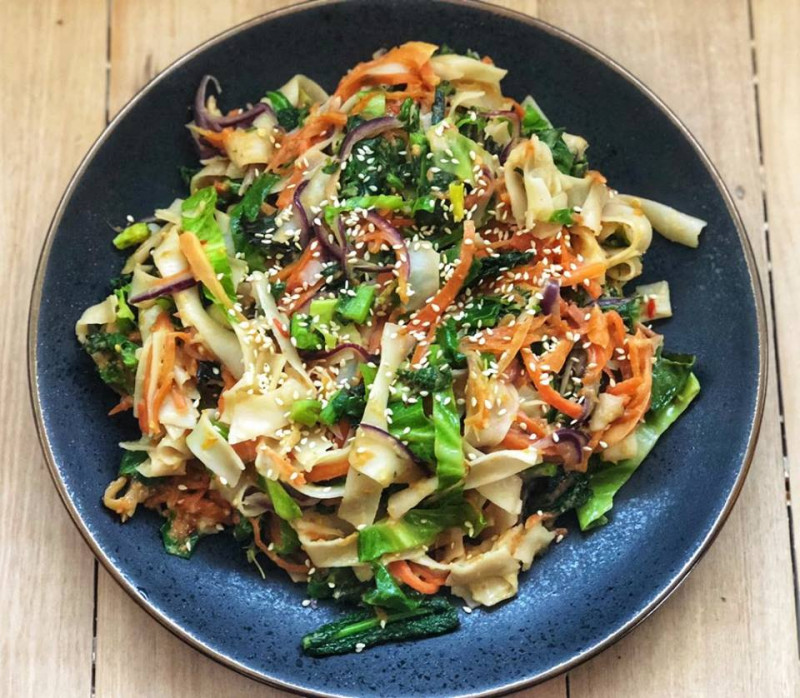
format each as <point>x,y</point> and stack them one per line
<point>289,116</point>
<point>486,311</point>
<point>247,211</point>
<point>563,216</point>
<point>388,202</point>
<point>387,592</point>
<point>129,464</point>
<point>134,234</point>
<point>429,378</point>
<point>409,114</point>
<point>115,357</point>
<point>447,338</point>
<point>533,121</point>
<point>338,583</point>
<point>608,478</point>
<point>447,441</point>
<point>288,541</point>
<point>243,530</point>
<point>491,267</point>
<point>443,89</point>
<point>418,527</point>
<point>198,217</point>
<point>175,543</point>
<point>285,507</point>
<point>131,460</point>
<point>347,403</point>
<point>670,373</point>
<point>126,320</point>
<point>376,166</point>
<point>305,336</point>
<point>305,412</point>
<point>357,307</point>
<point>375,107</point>
<point>364,629</point>
<point>414,428</point>
<point>277,289</point>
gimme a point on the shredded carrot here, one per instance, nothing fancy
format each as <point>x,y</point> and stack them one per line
<point>532,426</point>
<point>293,272</point>
<point>401,570</point>
<point>215,138</point>
<point>516,440</point>
<point>313,130</point>
<point>164,380</point>
<point>415,71</point>
<point>292,567</point>
<point>521,329</point>
<point>125,403</point>
<point>430,313</point>
<point>328,471</point>
<point>202,270</point>
<point>587,271</point>
<point>551,396</point>
<point>287,193</point>
<point>246,450</point>
<point>286,470</point>
<point>422,347</point>
<point>303,298</point>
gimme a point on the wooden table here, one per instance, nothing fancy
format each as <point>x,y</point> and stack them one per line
<point>729,68</point>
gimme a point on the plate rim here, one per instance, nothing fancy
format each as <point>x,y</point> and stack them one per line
<point>196,643</point>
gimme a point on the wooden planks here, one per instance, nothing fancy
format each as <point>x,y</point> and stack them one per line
<point>730,630</point>
<point>52,109</point>
<point>741,596</point>
<point>775,26</point>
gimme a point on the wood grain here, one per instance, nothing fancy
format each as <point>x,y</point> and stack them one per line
<point>776,26</point>
<point>741,595</point>
<point>729,631</point>
<point>52,109</point>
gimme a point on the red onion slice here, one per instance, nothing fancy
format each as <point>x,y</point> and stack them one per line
<point>394,443</point>
<point>173,284</point>
<point>551,297</point>
<point>568,444</point>
<point>369,129</point>
<point>305,228</point>
<point>244,118</point>
<point>396,240</point>
<point>328,353</point>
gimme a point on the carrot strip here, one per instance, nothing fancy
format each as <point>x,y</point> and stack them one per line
<point>202,270</point>
<point>532,426</point>
<point>413,59</point>
<point>272,555</point>
<point>125,403</point>
<point>328,471</point>
<point>521,329</point>
<point>287,193</point>
<point>246,450</point>
<point>515,440</point>
<point>587,271</point>
<point>551,396</point>
<point>303,298</point>
<point>422,347</point>
<point>428,315</point>
<point>314,129</point>
<point>401,570</point>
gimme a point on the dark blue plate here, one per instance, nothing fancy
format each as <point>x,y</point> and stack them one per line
<point>585,593</point>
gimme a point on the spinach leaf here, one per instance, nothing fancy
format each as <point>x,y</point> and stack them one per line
<point>670,373</point>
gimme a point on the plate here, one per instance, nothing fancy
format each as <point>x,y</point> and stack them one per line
<point>586,592</point>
